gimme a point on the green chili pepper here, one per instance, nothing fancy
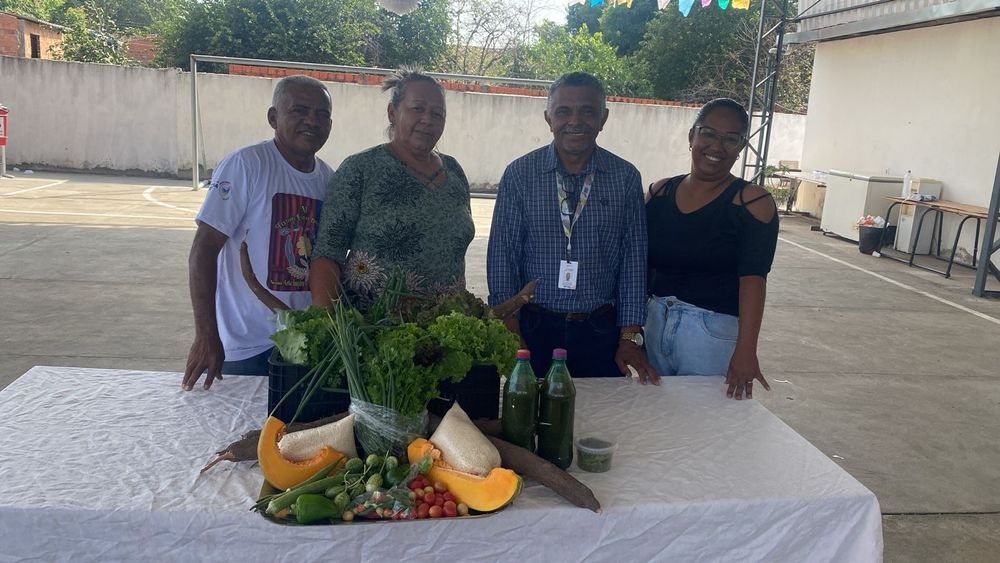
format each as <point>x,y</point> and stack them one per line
<point>313,508</point>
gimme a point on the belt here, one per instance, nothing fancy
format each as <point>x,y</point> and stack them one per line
<point>602,310</point>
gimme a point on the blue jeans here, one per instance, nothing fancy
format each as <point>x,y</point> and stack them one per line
<point>254,365</point>
<point>682,339</point>
<point>590,344</point>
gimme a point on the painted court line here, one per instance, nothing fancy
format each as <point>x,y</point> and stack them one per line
<point>79,214</point>
<point>148,194</point>
<point>26,190</point>
<point>894,282</point>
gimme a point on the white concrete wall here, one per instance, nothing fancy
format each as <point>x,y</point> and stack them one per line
<point>923,100</point>
<point>80,116</point>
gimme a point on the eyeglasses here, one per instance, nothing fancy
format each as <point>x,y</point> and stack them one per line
<point>730,140</point>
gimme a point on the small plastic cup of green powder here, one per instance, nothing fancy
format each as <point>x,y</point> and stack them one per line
<point>594,454</point>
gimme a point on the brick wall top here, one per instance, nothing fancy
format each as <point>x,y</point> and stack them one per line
<point>376,80</point>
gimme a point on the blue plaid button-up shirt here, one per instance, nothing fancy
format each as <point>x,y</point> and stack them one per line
<point>609,240</point>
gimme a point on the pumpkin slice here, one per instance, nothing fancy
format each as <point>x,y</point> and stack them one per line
<point>285,473</point>
<point>492,492</point>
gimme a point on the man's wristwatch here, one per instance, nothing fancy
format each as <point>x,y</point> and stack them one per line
<point>635,337</point>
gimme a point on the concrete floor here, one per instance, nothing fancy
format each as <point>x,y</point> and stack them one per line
<point>890,370</point>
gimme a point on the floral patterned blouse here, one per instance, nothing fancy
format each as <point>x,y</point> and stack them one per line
<point>378,216</point>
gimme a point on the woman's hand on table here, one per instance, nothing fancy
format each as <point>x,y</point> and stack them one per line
<point>206,354</point>
<point>743,370</point>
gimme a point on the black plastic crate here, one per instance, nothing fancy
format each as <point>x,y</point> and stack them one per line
<point>478,394</point>
<point>282,376</point>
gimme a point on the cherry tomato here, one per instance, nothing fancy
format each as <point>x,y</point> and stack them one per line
<point>423,510</point>
<point>436,511</point>
<point>438,500</point>
<point>450,509</point>
<point>429,498</point>
<point>449,496</point>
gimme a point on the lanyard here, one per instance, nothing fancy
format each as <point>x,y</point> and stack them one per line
<point>569,219</point>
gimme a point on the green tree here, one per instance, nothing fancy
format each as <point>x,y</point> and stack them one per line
<point>91,37</point>
<point>316,31</point>
<point>557,51</point>
<point>418,38</point>
<point>710,54</point>
<point>579,15</point>
<point>624,26</point>
<point>488,37</point>
<point>38,9</point>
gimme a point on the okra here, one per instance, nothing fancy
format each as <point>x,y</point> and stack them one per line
<point>287,498</point>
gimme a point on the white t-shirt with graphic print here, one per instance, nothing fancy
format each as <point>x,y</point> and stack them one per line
<point>257,196</point>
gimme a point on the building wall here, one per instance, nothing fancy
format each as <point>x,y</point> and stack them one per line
<point>15,34</point>
<point>48,38</point>
<point>922,100</point>
<point>10,36</point>
<point>86,116</point>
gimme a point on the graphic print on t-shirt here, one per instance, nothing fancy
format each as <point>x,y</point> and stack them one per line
<point>294,220</point>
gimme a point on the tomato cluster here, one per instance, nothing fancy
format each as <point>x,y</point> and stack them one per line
<point>433,500</point>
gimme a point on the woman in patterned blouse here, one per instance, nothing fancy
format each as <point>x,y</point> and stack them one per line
<point>400,205</point>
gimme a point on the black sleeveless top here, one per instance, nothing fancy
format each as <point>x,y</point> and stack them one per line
<point>699,257</point>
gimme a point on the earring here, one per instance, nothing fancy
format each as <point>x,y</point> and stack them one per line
<point>689,147</point>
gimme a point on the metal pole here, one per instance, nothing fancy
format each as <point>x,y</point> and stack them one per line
<point>990,245</point>
<point>3,161</point>
<point>194,124</point>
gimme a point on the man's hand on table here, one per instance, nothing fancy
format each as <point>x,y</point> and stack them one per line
<point>630,354</point>
<point>743,370</point>
<point>206,354</point>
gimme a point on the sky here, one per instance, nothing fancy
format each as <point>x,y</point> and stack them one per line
<point>555,11</point>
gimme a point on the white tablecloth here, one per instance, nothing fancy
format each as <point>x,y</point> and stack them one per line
<point>102,465</point>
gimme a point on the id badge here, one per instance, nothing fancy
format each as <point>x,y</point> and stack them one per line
<point>567,274</point>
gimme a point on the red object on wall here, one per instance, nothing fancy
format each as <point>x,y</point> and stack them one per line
<point>3,126</point>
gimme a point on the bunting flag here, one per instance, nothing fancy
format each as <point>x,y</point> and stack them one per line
<point>683,6</point>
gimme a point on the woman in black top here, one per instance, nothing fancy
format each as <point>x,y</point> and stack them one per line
<point>712,238</point>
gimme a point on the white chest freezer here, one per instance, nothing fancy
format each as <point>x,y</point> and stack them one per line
<point>852,195</point>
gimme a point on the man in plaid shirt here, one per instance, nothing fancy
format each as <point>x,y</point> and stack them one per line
<point>570,215</point>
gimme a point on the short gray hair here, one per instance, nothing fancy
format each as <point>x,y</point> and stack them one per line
<point>294,80</point>
<point>577,79</point>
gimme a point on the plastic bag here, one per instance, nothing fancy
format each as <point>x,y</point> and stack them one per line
<point>380,429</point>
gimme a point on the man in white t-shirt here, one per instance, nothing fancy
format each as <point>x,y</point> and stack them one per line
<point>268,195</point>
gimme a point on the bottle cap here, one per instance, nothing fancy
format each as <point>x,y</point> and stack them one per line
<point>523,354</point>
<point>559,354</point>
